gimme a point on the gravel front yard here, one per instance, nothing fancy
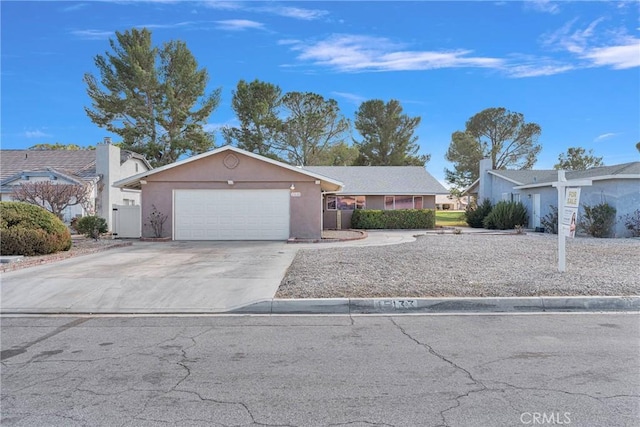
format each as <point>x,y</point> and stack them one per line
<point>467,265</point>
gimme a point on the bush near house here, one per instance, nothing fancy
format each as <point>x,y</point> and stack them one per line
<point>550,220</point>
<point>372,219</point>
<point>506,216</point>
<point>475,214</point>
<point>632,222</point>
<point>29,230</point>
<point>92,226</point>
<point>598,220</point>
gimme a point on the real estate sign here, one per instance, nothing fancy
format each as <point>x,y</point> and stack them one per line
<point>570,211</point>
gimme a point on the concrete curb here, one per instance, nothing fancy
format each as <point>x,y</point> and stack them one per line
<point>381,306</point>
<point>441,305</point>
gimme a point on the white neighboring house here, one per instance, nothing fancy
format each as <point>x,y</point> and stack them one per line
<point>99,168</point>
<point>618,185</point>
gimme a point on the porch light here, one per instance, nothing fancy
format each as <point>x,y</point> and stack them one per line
<point>293,186</point>
<point>230,182</point>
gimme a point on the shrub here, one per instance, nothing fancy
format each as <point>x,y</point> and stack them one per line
<point>475,215</point>
<point>29,230</point>
<point>506,216</point>
<point>92,226</point>
<point>598,220</point>
<point>373,219</point>
<point>156,220</point>
<point>550,220</point>
<point>632,222</point>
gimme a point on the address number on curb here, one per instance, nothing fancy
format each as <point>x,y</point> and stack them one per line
<point>398,304</point>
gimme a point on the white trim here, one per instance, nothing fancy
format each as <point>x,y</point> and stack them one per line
<point>133,180</point>
<point>596,178</point>
<point>494,172</point>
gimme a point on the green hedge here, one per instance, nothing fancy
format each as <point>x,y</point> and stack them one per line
<point>372,219</point>
<point>29,230</point>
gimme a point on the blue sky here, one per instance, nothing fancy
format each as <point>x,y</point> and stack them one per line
<point>571,67</point>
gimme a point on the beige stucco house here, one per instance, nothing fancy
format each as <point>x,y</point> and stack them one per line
<point>232,194</point>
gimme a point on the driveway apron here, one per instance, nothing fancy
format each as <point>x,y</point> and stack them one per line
<point>171,277</point>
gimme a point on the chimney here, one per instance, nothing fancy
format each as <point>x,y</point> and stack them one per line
<point>107,140</point>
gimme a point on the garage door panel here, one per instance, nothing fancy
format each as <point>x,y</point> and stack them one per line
<point>231,214</point>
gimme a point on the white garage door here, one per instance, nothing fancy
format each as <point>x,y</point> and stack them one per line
<point>231,214</point>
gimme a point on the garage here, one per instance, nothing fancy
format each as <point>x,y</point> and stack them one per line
<point>233,214</point>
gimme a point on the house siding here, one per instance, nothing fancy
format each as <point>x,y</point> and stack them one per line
<point>622,194</point>
<point>211,173</point>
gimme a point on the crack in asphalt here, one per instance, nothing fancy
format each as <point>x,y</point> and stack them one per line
<point>363,422</point>
<point>484,387</point>
<point>459,368</point>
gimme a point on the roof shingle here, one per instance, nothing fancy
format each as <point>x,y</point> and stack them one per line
<point>382,180</point>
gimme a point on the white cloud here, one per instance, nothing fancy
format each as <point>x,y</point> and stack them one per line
<point>75,7</point>
<point>355,53</point>
<point>164,26</point>
<point>92,34</point>
<point>618,57</point>
<point>223,5</point>
<point>545,6</point>
<point>239,25</point>
<point>286,11</point>
<point>351,97</point>
<point>295,12</point>
<point>605,48</point>
<point>605,136</point>
<point>36,134</point>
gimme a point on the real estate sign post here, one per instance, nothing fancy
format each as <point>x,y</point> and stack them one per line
<point>568,202</point>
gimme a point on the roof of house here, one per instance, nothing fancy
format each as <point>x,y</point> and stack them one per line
<point>545,177</point>
<point>73,163</point>
<point>382,180</point>
<point>134,181</point>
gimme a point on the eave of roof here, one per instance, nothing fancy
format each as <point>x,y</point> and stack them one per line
<point>133,182</point>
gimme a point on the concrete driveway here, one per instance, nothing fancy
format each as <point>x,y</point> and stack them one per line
<point>171,277</point>
<point>189,277</point>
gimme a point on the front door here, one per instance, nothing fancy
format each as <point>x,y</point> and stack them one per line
<point>536,210</point>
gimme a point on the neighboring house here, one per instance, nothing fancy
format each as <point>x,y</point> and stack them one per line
<point>618,185</point>
<point>451,202</point>
<point>98,168</point>
<point>232,194</point>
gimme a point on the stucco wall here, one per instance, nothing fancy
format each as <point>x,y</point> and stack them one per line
<point>623,194</point>
<point>213,172</point>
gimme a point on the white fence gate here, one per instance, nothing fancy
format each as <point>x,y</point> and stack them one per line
<point>127,221</point>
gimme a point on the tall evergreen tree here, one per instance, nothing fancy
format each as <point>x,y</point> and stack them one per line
<point>495,133</point>
<point>387,135</point>
<point>577,159</point>
<point>311,128</point>
<point>257,106</point>
<point>154,98</point>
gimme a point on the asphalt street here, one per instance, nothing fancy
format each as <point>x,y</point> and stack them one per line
<point>438,370</point>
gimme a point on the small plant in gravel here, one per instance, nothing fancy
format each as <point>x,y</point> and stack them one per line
<point>92,226</point>
<point>598,220</point>
<point>550,220</point>
<point>632,222</point>
<point>457,231</point>
<point>475,214</point>
<point>156,221</point>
